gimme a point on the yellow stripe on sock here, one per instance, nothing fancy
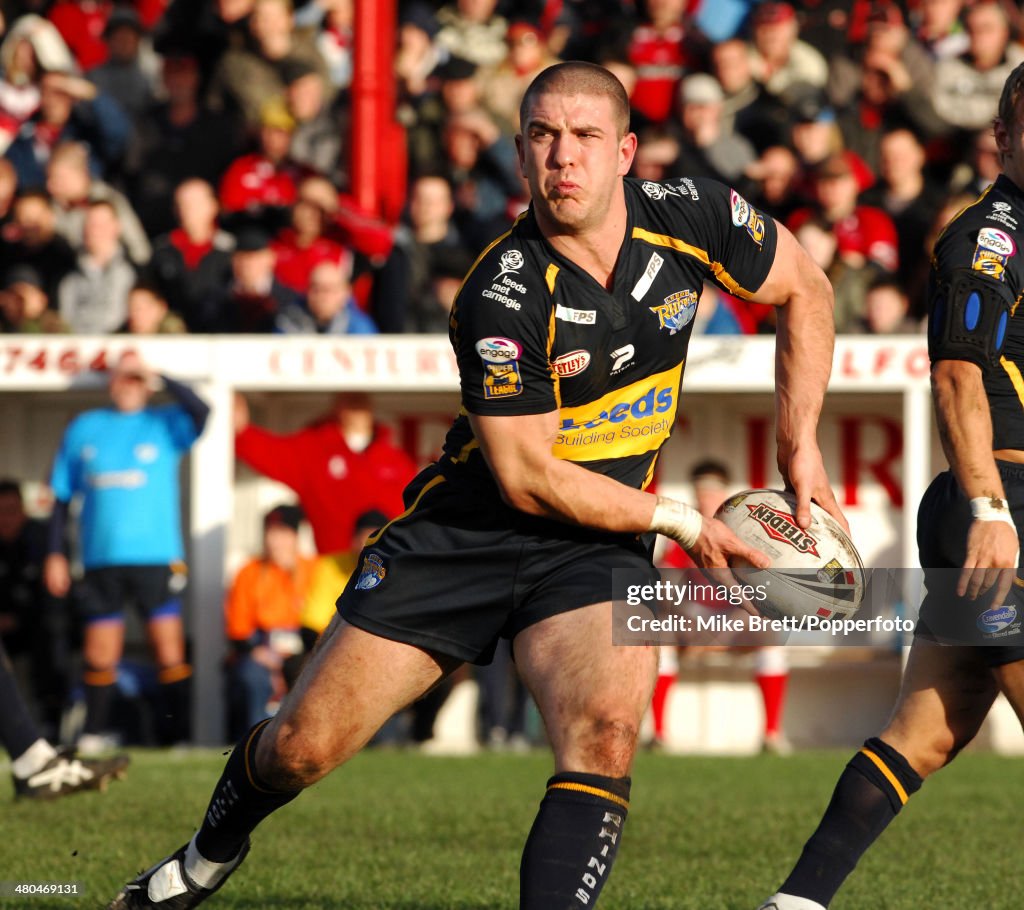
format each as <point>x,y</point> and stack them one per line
<point>889,776</point>
<point>248,768</point>
<point>593,791</point>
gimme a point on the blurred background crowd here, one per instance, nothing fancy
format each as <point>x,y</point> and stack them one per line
<point>183,165</point>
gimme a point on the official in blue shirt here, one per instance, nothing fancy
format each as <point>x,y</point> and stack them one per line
<point>122,462</point>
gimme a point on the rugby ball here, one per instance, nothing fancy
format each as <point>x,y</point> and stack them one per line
<point>815,572</point>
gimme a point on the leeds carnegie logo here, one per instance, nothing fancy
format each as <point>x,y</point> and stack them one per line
<point>511,261</point>
<point>657,190</point>
<point>782,528</point>
<point>677,311</point>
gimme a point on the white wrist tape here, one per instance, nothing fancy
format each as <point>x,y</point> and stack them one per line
<point>677,520</point>
<point>985,508</point>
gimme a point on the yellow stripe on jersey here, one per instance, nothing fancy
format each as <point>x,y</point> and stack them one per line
<point>1013,372</point>
<point>555,378</point>
<point>373,538</point>
<point>630,421</point>
<point>549,277</point>
<point>889,776</point>
<point>681,246</point>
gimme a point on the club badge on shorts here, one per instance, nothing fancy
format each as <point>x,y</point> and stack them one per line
<point>372,573</point>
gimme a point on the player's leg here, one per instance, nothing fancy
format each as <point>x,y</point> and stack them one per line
<point>352,683</point>
<point>1010,678</point>
<point>592,696</point>
<point>166,633</point>
<point>102,646</point>
<point>945,695</point>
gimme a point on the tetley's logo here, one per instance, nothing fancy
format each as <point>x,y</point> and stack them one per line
<point>781,527</point>
<point>372,573</point>
<point>652,402</point>
<point>677,311</point>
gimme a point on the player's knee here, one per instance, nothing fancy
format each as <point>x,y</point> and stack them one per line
<point>929,753</point>
<point>288,759</point>
<point>605,742</point>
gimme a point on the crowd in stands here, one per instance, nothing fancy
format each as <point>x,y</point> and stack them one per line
<point>182,165</point>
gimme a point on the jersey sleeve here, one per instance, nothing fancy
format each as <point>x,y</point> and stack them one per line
<point>502,330</point>
<point>180,425</point>
<point>64,474</point>
<point>740,238</point>
<point>969,295</point>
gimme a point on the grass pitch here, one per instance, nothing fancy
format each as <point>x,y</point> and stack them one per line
<point>401,831</point>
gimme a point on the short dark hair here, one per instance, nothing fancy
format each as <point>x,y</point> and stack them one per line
<point>710,467</point>
<point>580,78</point>
<point>1009,100</point>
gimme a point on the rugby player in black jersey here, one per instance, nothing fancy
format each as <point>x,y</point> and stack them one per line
<point>968,643</point>
<point>570,333</point>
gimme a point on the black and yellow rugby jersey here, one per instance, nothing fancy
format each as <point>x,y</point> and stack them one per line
<point>534,333</point>
<point>987,237</point>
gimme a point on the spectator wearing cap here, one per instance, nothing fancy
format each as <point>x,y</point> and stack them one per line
<point>706,149</point>
<point>330,575</point>
<point>262,616</point>
<point>72,188</point>
<point>339,466</point>
<point>660,48</point>
<point>403,296</point>
<point>473,29</point>
<point>264,184</point>
<point>30,238</point>
<point>302,246</point>
<point>31,46</point>
<point>328,309</point>
<point>505,84</point>
<point>316,141</point>
<point>417,55</point>
<point>863,233</point>
<point>246,77</point>
<point>93,297</point>
<point>178,138</point>
<point>70,110</point>
<point>967,87</point>
<point>781,59</point>
<point>149,314</point>
<point>249,304</point>
<point>747,109</point>
<point>25,306</point>
<point>193,261</point>
<point>123,76</point>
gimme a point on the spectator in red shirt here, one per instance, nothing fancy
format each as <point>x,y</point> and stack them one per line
<point>302,246</point>
<point>863,233</point>
<point>340,466</point>
<point>659,49</point>
<point>265,182</point>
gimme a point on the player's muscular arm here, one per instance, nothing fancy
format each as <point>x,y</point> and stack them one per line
<point>965,427</point>
<point>533,480</point>
<point>803,362</point>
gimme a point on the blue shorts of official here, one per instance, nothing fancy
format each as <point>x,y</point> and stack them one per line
<point>943,520</point>
<point>458,571</point>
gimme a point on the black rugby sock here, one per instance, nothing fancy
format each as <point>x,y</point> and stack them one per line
<point>872,789</point>
<point>573,842</point>
<point>240,802</point>
<point>100,688</point>
<point>175,699</point>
